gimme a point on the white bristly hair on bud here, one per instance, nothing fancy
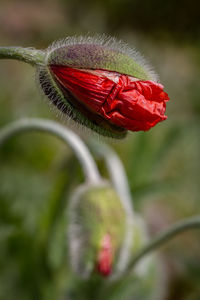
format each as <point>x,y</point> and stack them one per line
<point>106,41</point>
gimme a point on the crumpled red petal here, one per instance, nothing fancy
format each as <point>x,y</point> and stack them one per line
<point>121,99</point>
<point>105,256</point>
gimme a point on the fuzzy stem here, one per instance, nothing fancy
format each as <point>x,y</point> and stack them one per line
<point>28,55</point>
<point>87,162</point>
<point>164,237</point>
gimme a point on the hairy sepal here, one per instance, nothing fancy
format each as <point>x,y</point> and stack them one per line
<point>100,52</point>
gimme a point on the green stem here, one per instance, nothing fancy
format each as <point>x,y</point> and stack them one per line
<point>27,55</point>
<point>69,137</point>
<point>164,237</point>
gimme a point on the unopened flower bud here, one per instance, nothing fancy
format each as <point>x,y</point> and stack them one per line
<point>102,85</point>
<point>96,229</point>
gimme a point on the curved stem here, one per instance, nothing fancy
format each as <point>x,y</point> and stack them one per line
<point>117,173</point>
<point>164,237</point>
<point>87,162</point>
<point>28,55</point>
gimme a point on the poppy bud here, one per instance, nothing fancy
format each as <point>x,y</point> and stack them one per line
<point>102,85</point>
<point>96,229</point>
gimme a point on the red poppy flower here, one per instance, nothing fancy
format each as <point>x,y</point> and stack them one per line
<point>120,99</point>
<point>102,84</point>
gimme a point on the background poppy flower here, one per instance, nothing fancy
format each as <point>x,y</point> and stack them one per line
<point>97,224</point>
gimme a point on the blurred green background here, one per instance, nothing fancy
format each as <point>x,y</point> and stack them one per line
<point>162,164</point>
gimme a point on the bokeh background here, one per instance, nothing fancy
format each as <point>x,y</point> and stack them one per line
<point>37,172</point>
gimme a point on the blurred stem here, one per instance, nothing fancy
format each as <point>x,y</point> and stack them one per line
<point>27,55</point>
<point>117,174</point>
<point>164,237</point>
<point>82,152</point>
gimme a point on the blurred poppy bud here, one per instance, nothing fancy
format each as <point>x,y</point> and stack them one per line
<point>103,85</point>
<point>96,229</point>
